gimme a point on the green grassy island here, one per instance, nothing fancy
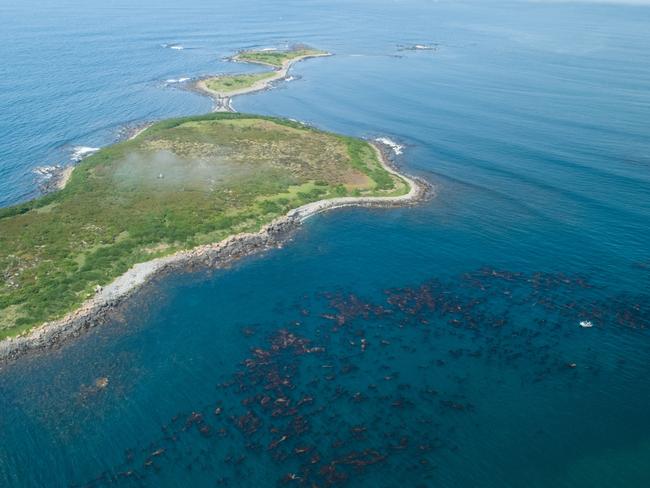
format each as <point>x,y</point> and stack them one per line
<point>277,59</point>
<point>177,185</point>
<point>226,84</point>
<point>237,84</point>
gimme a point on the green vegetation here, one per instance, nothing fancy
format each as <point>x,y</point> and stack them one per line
<point>277,58</point>
<point>225,85</point>
<point>181,183</point>
<point>230,83</point>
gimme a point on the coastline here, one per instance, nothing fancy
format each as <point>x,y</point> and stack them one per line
<point>222,100</point>
<point>223,103</point>
<point>63,179</point>
<point>66,173</point>
<point>217,255</point>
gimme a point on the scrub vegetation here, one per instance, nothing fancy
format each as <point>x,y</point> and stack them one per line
<point>227,85</point>
<point>181,183</point>
<point>230,83</point>
<point>277,58</point>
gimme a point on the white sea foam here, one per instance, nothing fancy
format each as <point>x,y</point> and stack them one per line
<point>290,78</point>
<point>46,172</point>
<point>80,152</point>
<point>269,49</point>
<point>177,47</point>
<point>417,47</point>
<point>397,148</point>
<point>586,324</point>
<point>177,80</point>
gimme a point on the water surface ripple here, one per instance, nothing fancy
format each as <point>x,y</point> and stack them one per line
<point>430,346</point>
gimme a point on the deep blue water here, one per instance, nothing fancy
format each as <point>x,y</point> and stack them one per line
<point>531,119</point>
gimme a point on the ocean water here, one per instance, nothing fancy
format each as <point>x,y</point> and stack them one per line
<point>432,346</point>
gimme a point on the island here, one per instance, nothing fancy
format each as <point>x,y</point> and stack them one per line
<point>200,190</point>
<point>223,87</point>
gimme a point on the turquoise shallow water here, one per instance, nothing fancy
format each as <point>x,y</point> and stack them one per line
<point>429,346</point>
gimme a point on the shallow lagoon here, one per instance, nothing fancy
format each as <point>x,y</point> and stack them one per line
<point>531,120</point>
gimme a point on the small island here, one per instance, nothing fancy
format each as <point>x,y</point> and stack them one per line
<point>204,189</point>
<point>223,87</point>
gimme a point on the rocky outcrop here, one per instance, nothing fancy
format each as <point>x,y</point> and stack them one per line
<point>98,309</point>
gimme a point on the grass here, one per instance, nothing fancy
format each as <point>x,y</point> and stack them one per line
<point>276,58</point>
<point>181,183</point>
<point>228,84</point>
<point>225,84</point>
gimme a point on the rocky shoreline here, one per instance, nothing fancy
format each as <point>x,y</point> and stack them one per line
<point>223,101</point>
<point>97,310</point>
<point>59,175</point>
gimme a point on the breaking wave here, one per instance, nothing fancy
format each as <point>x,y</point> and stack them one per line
<point>418,47</point>
<point>47,172</point>
<point>177,80</point>
<point>397,148</point>
<point>80,152</point>
<point>177,47</point>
